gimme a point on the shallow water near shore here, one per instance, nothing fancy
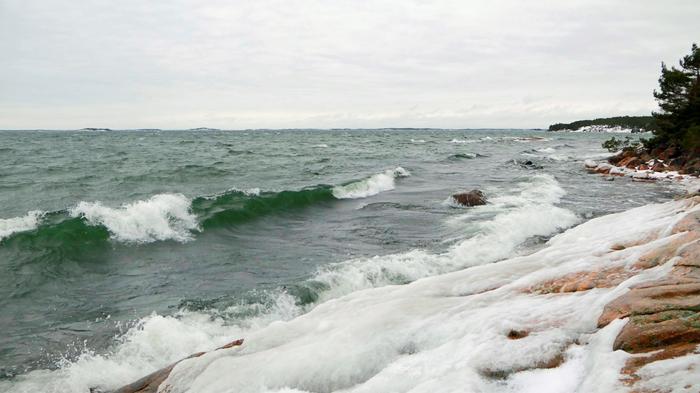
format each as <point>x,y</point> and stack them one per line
<point>123,251</point>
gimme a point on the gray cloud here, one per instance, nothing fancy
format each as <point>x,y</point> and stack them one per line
<point>313,63</point>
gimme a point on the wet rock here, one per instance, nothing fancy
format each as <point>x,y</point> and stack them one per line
<point>664,315</point>
<point>517,334</point>
<point>471,198</point>
<point>630,162</point>
<point>658,167</point>
<point>151,382</point>
<point>582,281</point>
<point>500,374</point>
<point>528,164</point>
<point>603,168</point>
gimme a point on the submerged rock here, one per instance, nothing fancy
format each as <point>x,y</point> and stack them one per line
<point>471,198</point>
<point>528,164</point>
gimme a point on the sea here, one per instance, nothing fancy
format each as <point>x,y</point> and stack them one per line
<point>124,251</point>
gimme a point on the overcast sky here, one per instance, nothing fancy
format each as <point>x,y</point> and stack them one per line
<point>311,63</point>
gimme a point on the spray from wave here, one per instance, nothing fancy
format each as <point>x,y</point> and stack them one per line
<point>161,217</point>
<point>9,226</point>
<point>375,184</point>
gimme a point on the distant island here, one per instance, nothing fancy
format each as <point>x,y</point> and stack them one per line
<point>609,124</point>
<point>203,129</point>
<point>94,129</point>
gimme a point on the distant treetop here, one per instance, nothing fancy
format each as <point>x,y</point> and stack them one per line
<point>635,123</point>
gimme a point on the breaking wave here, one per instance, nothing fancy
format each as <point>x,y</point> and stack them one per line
<point>175,217</point>
<point>373,185</point>
<point>8,226</point>
<point>161,217</point>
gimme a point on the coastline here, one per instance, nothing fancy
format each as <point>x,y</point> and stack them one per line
<point>640,281</point>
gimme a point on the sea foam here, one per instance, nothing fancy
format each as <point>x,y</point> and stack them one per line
<point>373,185</point>
<point>9,226</point>
<point>161,217</point>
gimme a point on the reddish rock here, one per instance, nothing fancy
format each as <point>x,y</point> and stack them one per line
<point>582,281</point>
<point>658,167</point>
<point>668,153</point>
<point>151,382</point>
<point>662,254</point>
<point>627,160</point>
<point>471,198</point>
<point>552,362</point>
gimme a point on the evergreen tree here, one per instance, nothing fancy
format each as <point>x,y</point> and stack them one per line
<point>678,122</point>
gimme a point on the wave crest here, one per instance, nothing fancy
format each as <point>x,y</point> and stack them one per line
<point>9,226</point>
<point>373,185</point>
<point>161,217</point>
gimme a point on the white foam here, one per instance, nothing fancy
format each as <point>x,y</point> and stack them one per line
<point>681,374</point>
<point>373,185</point>
<point>9,226</point>
<point>161,217</point>
<point>526,212</point>
<point>461,141</point>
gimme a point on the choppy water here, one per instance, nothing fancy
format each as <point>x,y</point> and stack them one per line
<point>115,246</point>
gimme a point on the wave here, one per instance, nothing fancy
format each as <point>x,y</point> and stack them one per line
<point>373,185</point>
<point>161,217</point>
<point>528,212</point>
<point>236,206</point>
<point>464,156</point>
<point>462,141</point>
<point>175,217</point>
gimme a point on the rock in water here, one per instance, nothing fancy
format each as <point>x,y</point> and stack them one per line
<point>471,198</point>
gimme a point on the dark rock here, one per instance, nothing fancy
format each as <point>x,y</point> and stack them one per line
<point>471,198</point>
<point>528,164</point>
<point>517,334</point>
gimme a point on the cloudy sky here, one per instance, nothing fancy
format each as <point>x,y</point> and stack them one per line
<point>335,63</point>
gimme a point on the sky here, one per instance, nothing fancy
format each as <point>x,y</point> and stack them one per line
<point>231,64</point>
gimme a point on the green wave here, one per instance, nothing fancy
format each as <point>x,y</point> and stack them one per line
<point>235,207</point>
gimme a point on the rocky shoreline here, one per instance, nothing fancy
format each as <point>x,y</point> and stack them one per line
<point>659,319</point>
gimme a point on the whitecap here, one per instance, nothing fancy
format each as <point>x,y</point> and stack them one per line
<point>462,141</point>
<point>373,185</point>
<point>161,217</point>
<point>9,226</point>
